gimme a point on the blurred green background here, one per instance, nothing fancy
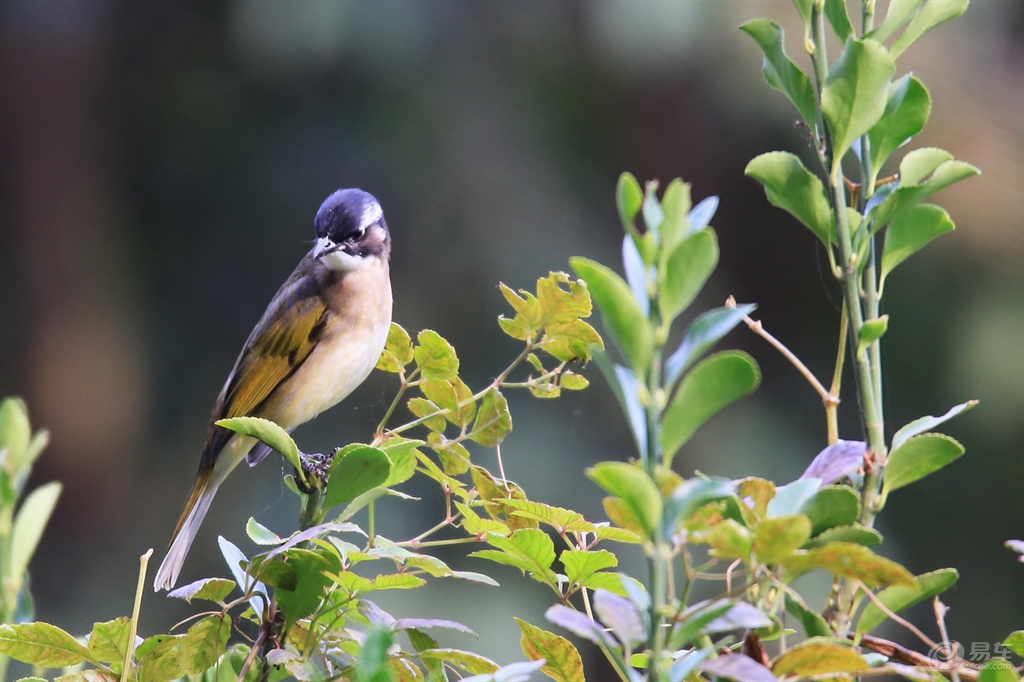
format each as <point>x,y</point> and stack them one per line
<point>162,162</point>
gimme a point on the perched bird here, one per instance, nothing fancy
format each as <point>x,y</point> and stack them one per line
<point>318,340</point>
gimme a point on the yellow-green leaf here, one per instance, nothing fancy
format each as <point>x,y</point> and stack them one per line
<point>562,660</point>
<point>818,658</point>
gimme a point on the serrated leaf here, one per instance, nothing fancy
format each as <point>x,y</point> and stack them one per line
<point>907,108</point>
<point>435,357</point>
<point>581,564</point>
<point>910,232</point>
<point>918,457</point>
<point>852,561</point>
<point>267,432</point>
<point>558,306</point>
<point>779,71</point>
<point>360,469</point>
<point>562,661</point>
<point>777,538</point>
<point>210,589</point>
<point>933,13</point>
<point>427,410</point>
<point>831,506</point>
<point>493,421</point>
<point>529,550</point>
<point>562,520</point>
<point>29,523</point>
<point>687,269</point>
<point>203,644</point>
<point>854,96</point>
<point>606,532</point>
<point>479,527</point>
<point>623,319</point>
<point>158,659</point>
<point>704,332</point>
<point>398,581</point>
<point>399,344</point>
<point>108,641</point>
<point>790,186</point>
<point>818,658</point>
<point>41,644</point>
<point>708,388</point>
<point>901,597</point>
<point>634,487</point>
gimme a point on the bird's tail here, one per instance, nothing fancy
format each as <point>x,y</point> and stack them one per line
<point>192,516</point>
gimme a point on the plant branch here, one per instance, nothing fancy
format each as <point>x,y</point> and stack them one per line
<point>889,612</point>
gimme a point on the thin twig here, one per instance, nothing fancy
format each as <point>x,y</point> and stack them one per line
<point>134,627</point>
<point>832,407</point>
<point>900,653</point>
<point>887,611</point>
<point>758,328</point>
<point>940,618</point>
<point>501,468</point>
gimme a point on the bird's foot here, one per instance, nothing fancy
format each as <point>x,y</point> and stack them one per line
<point>316,466</point>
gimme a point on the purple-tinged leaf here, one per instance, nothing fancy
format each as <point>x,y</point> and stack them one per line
<point>316,531</point>
<point>741,615</point>
<point>578,624</point>
<point>621,616</point>
<point>686,664</point>
<point>1016,546</point>
<point>789,499</point>
<point>738,667</point>
<point>636,273</point>
<point>701,214</point>
<point>836,461</point>
<point>212,589</point>
<point>427,623</point>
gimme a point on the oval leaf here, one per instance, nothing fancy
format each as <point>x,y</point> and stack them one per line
<point>687,269</point>
<point>919,457</point>
<point>907,108</point>
<point>818,658</point>
<point>709,387</point>
<point>41,644</point>
<point>900,597</point>
<point>269,433</point>
<point>779,71</point>
<point>562,660</point>
<point>836,505</point>
<point>31,520</point>
<point>790,186</point>
<point>357,471</point>
<point>634,487</point>
<point>910,232</point>
<point>854,97</point>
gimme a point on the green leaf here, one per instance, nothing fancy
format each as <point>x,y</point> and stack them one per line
<point>712,385</point>
<point>868,537</point>
<point>835,11</point>
<point>831,506</point>
<point>108,641</point>
<point>260,534</point>
<point>562,520</point>
<point>158,659</point>
<point>355,471</point>
<point>790,186</point>
<point>472,663</point>
<point>203,644</point>
<point>779,71</point>
<point>790,498</point>
<point>814,625</point>
<point>997,670</point>
<point>776,539</point>
<point>900,597</point>
<point>562,660</point>
<point>911,231</point>
<point>854,97</point>
<point>702,334</point>
<point>919,457</point>
<point>621,313</point>
<point>210,589</point>
<point>558,306</point>
<point>898,13</point>
<point>581,564</point>
<point>15,431</point>
<point>689,496</point>
<point>493,421</point>
<point>312,572</point>
<point>268,432</point>
<point>371,665</point>
<point>529,550</point>
<point>397,350</point>
<point>435,357</point>
<point>570,342</point>
<point>818,658</point>
<point>923,172</point>
<point>933,13</point>
<point>676,205</point>
<point>927,423</point>
<point>628,198</point>
<point>1014,641</point>
<point>31,520</point>
<point>41,644</point>
<point>852,561</point>
<point>871,331</point>
<point>730,540</point>
<point>686,270</point>
<point>907,108</point>
<point>634,487</point>
<point>573,382</point>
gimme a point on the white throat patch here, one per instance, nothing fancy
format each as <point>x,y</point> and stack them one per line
<point>339,261</point>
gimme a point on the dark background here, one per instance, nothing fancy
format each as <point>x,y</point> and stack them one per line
<point>161,163</point>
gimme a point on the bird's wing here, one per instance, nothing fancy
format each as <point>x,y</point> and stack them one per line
<point>288,332</point>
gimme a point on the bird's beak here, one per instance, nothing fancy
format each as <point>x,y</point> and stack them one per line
<point>323,247</point>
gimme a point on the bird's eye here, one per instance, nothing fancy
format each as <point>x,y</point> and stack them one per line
<point>359,235</point>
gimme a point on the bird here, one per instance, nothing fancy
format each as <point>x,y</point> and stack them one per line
<point>318,340</point>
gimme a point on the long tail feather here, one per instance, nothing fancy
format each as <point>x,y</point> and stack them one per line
<point>192,516</point>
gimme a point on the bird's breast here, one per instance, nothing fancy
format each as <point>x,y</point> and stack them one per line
<point>360,303</point>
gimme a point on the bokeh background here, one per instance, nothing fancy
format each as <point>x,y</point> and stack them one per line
<point>162,162</point>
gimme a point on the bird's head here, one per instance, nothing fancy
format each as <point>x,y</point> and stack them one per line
<point>350,231</point>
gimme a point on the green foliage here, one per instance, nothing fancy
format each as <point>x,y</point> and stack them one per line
<point>900,597</point>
